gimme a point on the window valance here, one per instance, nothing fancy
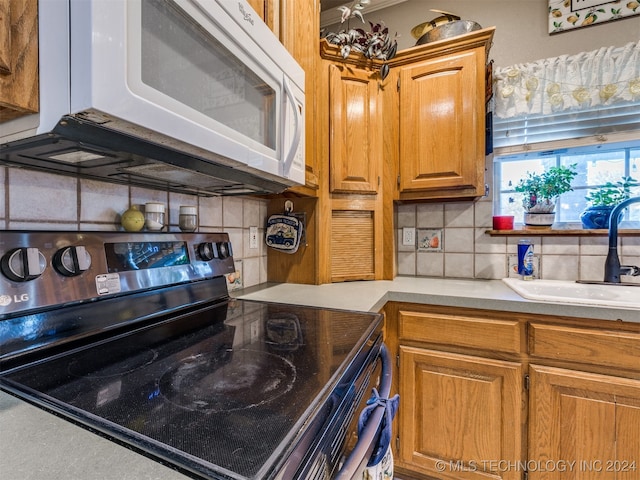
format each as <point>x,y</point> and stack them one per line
<point>570,96</point>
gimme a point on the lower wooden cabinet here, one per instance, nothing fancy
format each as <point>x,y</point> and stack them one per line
<point>502,395</point>
<point>583,425</point>
<point>458,413</point>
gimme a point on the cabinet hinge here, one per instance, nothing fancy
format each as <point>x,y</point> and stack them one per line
<point>378,180</point>
<point>398,180</point>
<point>397,443</point>
<point>398,84</point>
<point>398,361</point>
<point>526,382</point>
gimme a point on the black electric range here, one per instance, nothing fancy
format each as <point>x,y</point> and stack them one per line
<point>135,337</point>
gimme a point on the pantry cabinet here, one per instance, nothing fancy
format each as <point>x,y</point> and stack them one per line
<point>19,87</point>
<point>489,394</point>
<point>345,215</point>
<point>440,131</point>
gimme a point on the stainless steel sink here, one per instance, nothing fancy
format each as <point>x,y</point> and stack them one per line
<point>564,291</point>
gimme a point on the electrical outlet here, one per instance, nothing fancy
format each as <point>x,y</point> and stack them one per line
<point>253,237</point>
<point>408,236</point>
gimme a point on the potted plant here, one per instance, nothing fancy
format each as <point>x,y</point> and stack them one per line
<point>540,192</point>
<point>603,200</point>
<point>375,44</point>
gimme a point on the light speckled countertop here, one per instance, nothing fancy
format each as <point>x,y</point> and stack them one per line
<point>372,295</point>
<point>36,445</point>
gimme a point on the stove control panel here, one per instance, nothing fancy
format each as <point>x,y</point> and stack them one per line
<point>41,269</point>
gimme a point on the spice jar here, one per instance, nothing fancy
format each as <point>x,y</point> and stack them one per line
<point>188,219</point>
<point>154,216</point>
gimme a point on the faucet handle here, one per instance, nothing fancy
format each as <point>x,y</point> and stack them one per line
<point>632,270</point>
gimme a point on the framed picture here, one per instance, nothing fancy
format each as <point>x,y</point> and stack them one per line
<point>569,14</point>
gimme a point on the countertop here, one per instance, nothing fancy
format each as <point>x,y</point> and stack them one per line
<point>36,445</point>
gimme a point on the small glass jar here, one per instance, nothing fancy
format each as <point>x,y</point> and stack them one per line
<point>154,216</point>
<point>188,219</point>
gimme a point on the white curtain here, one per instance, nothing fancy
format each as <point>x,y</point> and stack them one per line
<point>601,77</point>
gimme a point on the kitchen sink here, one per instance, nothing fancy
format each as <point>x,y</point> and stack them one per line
<point>564,291</point>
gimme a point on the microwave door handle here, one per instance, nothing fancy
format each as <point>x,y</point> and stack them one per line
<point>298,128</point>
<point>363,448</point>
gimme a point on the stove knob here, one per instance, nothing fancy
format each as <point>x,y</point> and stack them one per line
<point>23,264</point>
<point>224,249</point>
<point>71,261</point>
<point>206,251</point>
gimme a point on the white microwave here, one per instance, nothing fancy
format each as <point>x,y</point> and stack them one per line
<point>195,96</point>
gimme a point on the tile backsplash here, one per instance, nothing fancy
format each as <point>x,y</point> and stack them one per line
<point>467,251</point>
<point>33,200</point>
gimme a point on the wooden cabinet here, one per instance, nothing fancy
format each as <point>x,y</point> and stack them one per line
<point>19,85</point>
<point>589,420</point>
<point>355,129</point>
<point>456,412</point>
<point>346,240</point>
<point>268,10</point>
<point>502,395</point>
<point>441,117</point>
<point>299,33</point>
<point>587,423</point>
<point>460,382</point>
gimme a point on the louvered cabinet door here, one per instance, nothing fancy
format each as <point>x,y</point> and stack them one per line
<point>352,245</point>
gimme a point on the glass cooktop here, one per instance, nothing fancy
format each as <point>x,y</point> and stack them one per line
<point>222,392</point>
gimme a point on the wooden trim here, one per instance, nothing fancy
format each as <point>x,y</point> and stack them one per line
<point>544,232</point>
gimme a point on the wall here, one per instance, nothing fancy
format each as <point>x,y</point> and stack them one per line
<point>521,27</point>
<point>467,251</point>
<point>32,200</point>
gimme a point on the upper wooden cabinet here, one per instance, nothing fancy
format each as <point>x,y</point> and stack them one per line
<point>19,85</point>
<point>299,33</point>
<point>355,129</point>
<point>440,131</point>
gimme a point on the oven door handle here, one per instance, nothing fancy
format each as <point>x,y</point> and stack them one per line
<point>363,449</point>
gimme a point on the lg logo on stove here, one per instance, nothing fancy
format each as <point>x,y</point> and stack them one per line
<point>7,299</point>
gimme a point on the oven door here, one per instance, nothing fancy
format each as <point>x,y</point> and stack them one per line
<point>374,425</point>
<point>188,70</point>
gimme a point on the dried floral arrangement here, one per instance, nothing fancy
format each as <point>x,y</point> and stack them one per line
<point>373,44</point>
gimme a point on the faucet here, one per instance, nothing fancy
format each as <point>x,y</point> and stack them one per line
<point>612,267</point>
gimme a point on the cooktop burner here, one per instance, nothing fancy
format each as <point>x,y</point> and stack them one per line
<point>246,379</point>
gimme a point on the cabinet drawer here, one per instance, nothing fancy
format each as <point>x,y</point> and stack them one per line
<point>486,334</point>
<point>597,347</point>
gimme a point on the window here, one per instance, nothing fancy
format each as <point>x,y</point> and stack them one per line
<point>596,165</point>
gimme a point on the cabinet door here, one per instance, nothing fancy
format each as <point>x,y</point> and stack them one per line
<point>19,85</point>
<point>585,424</point>
<point>355,133</point>
<point>459,415</point>
<point>442,123</point>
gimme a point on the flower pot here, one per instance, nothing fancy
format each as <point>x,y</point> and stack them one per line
<point>539,219</point>
<point>597,217</point>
